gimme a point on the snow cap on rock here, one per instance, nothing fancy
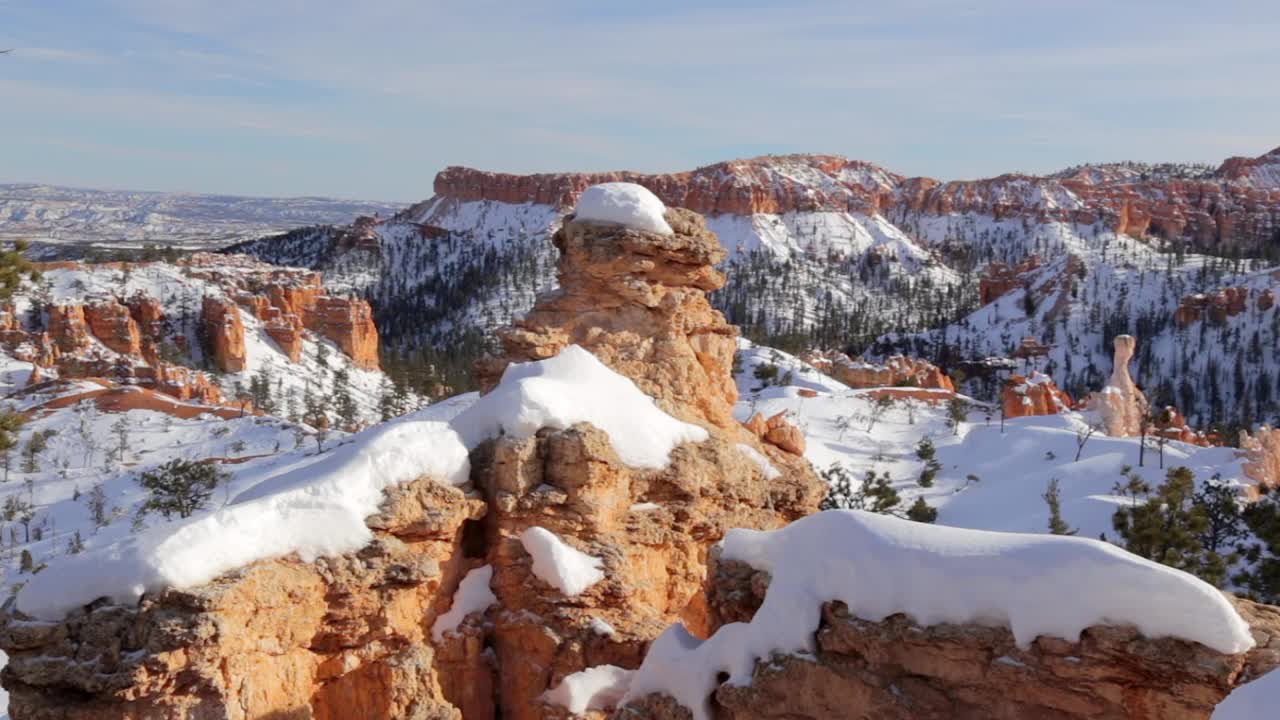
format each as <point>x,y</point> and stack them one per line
<point>623,203</point>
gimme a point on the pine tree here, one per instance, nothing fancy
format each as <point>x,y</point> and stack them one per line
<point>927,452</point>
<point>35,445</point>
<point>1168,526</point>
<point>1052,497</point>
<point>343,404</point>
<point>921,511</point>
<point>120,428</point>
<point>97,502</point>
<point>10,424</point>
<point>957,413</point>
<point>13,266</point>
<point>180,487</point>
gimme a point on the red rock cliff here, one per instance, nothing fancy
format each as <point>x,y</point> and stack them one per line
<point>1236,206</point>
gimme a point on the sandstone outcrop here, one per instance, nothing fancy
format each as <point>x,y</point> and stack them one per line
<point>1121,405</point>
<point>638,301</point>
<point>136,339</point>
<point>349,323</point>
<point>114,326</point>
<point>1034,394</point>
<point>895,371</point>
<point>68,328</point>
<point>1223,304</point>
<point>335,639</point>
<point>1232,207</point>
<point>225,331</point>
<point>896,669</point>
<point>1262,456</point>
<point>998,279</point>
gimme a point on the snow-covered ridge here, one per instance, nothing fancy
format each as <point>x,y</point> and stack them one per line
<point>881,566</point>
<point>316,505</point>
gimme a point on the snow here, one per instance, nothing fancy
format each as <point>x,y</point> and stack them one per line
<point>623,203</point>
<point>880,566</point>
<point>601,627</point>
<point>575,387</point>
<point>1256,700</point>
<point>559,565</point>
<point>473,595</point>
<point>596,688</point>
<point>766,468</point>
<point>315,505</point>
<point>315,508</point>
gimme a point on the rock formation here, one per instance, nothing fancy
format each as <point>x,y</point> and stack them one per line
<point>1232,207</point>
<point>1034,394</point>
<point>114,326</point>
<point>998,279</point>
<point>225,331</point>
<point>350,636</point>
<point>897,670</point>
<point>1262,453</point>
<point>895,371</point>
<point>349,323</point>
<point>338,638</point>
<point>134,339</point>
<point>638,302</point>
<point>1121,405</point>
<point>1217,307</point>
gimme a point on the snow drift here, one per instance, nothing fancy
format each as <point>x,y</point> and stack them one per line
<point>881,566</point>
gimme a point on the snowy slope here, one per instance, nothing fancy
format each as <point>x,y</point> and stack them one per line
<point>1227,372</point>
<point>989,479</point>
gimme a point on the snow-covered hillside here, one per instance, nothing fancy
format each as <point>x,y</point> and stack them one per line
<point>841,254</point>
<point>990,477</point>
<point>1098,284</point>
<point>66,222</point>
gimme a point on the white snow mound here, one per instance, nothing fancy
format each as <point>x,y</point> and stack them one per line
<point>575,387</point>
<point>473,595</point>
<point>560,565</point>
<point>880,566</point>
<point>596,688</point>
<point>622,203</point>
<point>315,506</point>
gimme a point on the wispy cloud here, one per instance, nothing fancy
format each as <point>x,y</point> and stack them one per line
<point>389,90</point>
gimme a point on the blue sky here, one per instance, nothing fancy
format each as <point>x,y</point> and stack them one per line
<point>369,99</point>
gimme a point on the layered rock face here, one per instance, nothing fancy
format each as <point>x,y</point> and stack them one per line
<point>896,669</point>
<point>1034,394</point>
<point>225,331</point>
<point>1236,206</point>
<point>895,371</point>
<point>638,301</point>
